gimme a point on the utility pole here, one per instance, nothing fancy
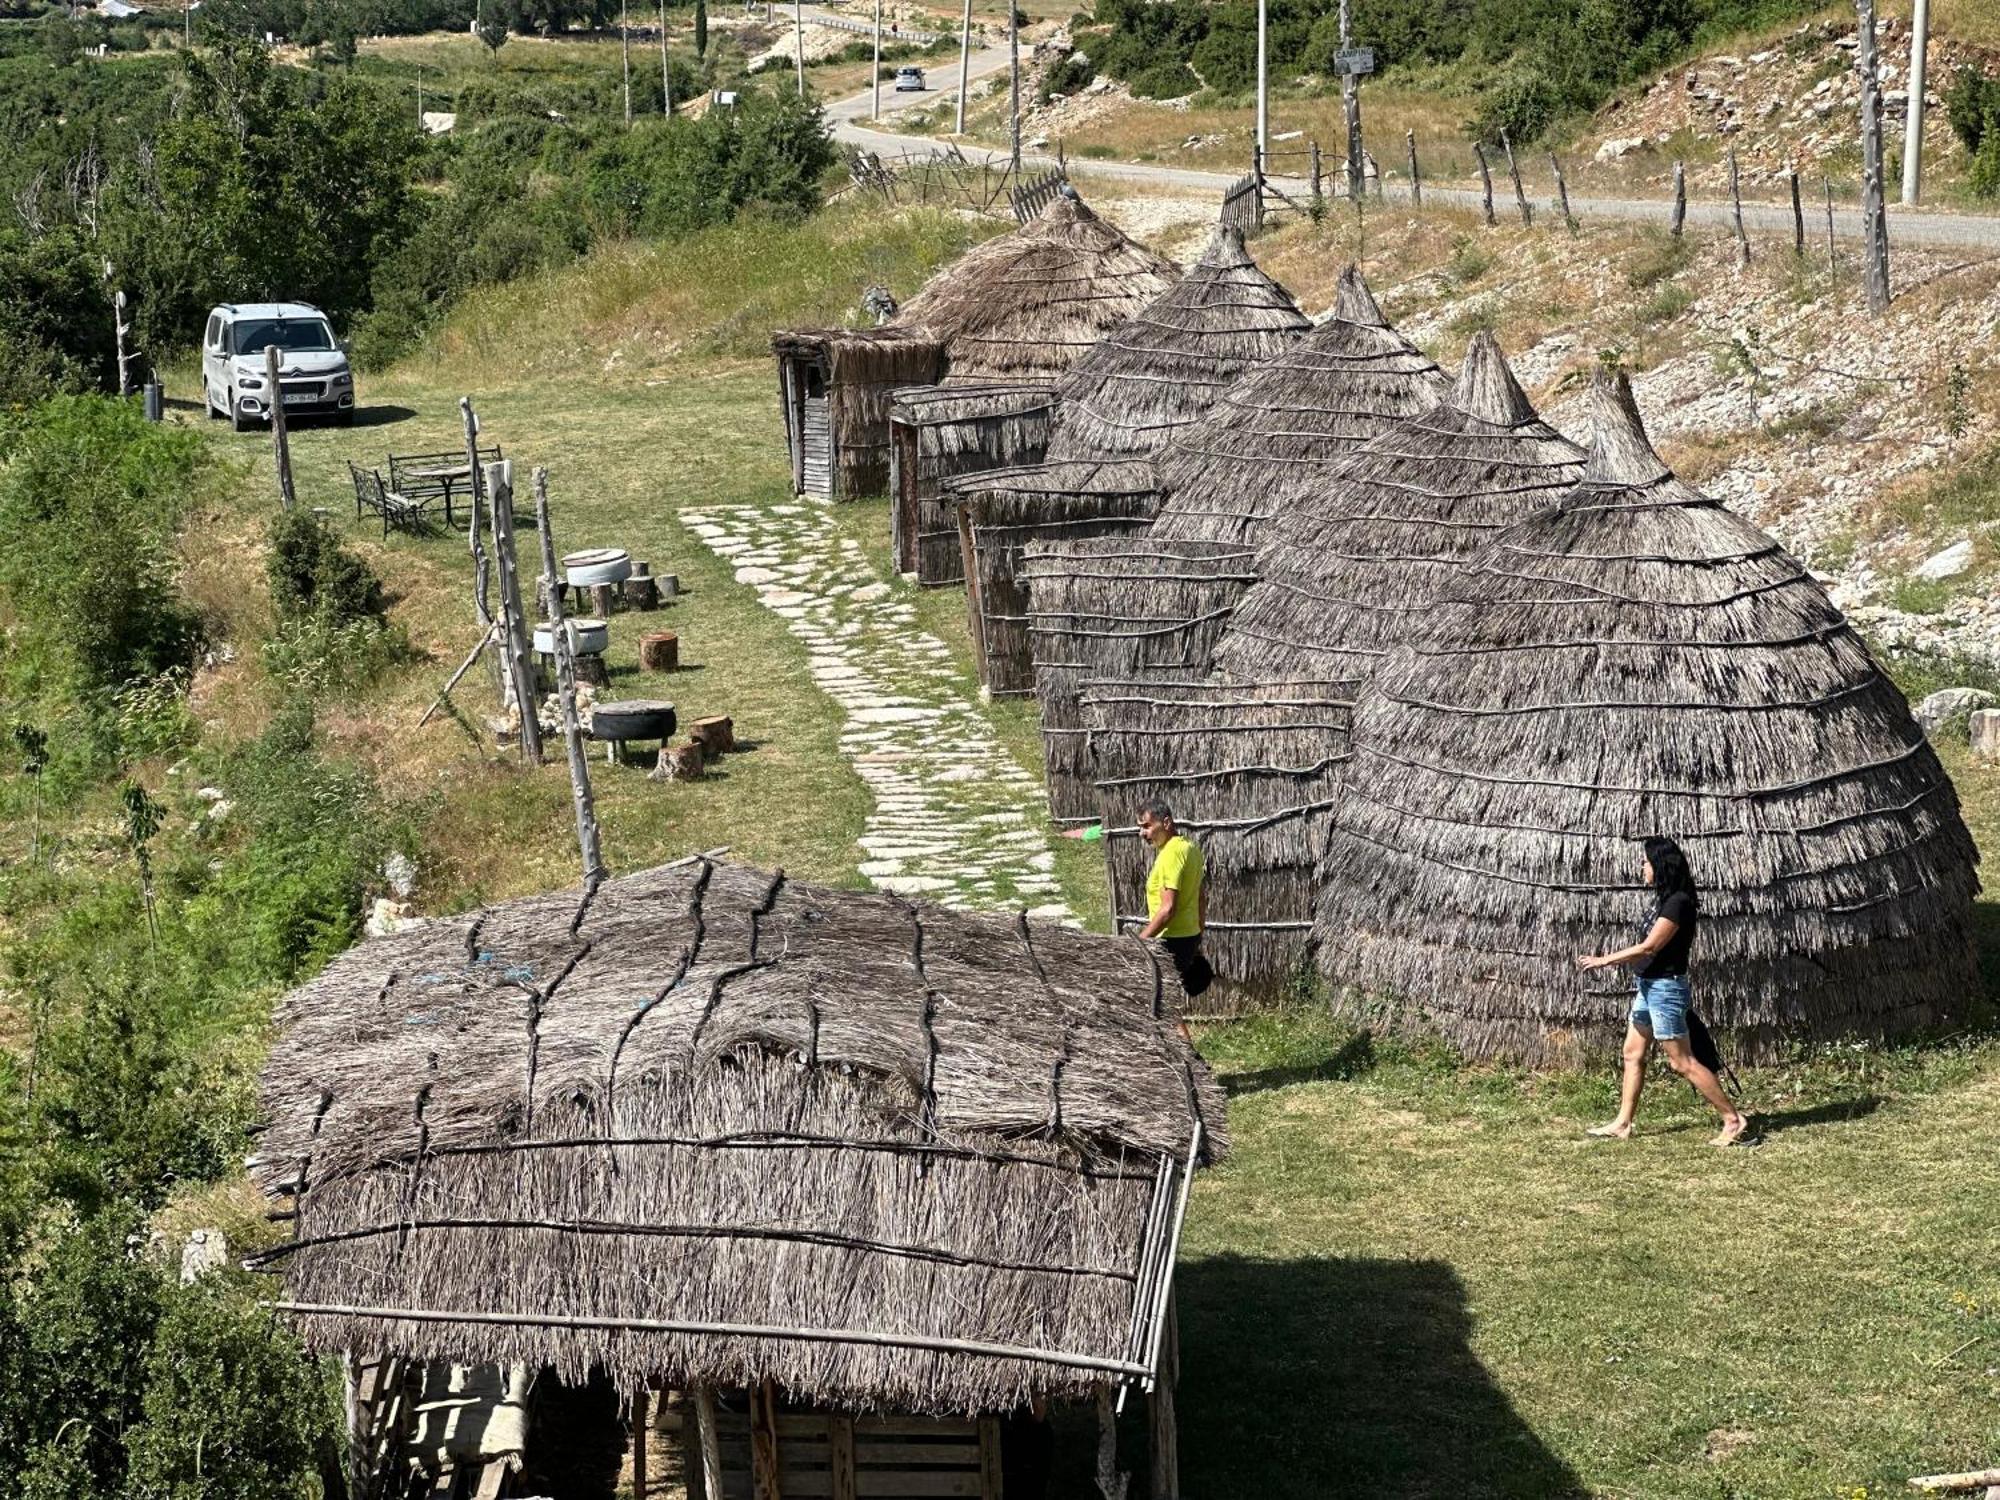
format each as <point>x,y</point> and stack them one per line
<point>964,64</point>
<point>666,74</point>
<point>1913,125</point>
<point>799,41</point>
<point>1014,76</point>
<point>875,73</point>
<point>625,53</point>
<point>1350,99</point>
<point>1264,87</point>
<point>1874,215</point>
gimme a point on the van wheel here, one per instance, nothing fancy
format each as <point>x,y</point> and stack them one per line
<point>237,421</point>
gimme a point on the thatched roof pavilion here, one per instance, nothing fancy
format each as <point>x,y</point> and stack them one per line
<point>1028,304</point>
<point>710,1127</point>
<point>1638,660</point>
<point>834,389</point>
<point>1165,367</point>
<point>1252,772</point>
<point>1347,574</point>
<point>936,434</point>
<point>1275,436</point>
<point>1118,608</point>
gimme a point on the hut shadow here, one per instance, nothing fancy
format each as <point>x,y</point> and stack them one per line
<point>1355,1057</point>
<point>1835,1112</point>
<point>1329,1378</point>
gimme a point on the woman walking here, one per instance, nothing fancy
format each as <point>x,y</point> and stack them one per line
<point>1659,964</point>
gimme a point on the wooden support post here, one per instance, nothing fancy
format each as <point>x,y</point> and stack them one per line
<point>1520,193</point>
<point>975,606</point>
<point>840,1456</point>
<point>1111,1483</point>
<point>1874,213</point>
<point>1798,212</point>
<point>1166,1464</point>
<point>1680,218</point>
<point>1416,178</point>
<point>764,1471</point>
<point>990,1476</point>
<point>513,620</point>
<point>708,1442</point>
<point>642,1400</point>
<point>475,536</point>
<point>1317,190</point>
<point>281,448</point>
<point>1736,212</point>
<point>1350,103</point>
<point>1485,182</point>
<point>1832,251</point>
<point>579,765</point>
<point>666,74</point>
<point>1562,193</point>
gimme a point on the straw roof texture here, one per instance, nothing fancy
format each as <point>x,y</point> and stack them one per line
<point>1251,772</point>
<point>1008,510</point>
<point>1123,607</point>
<point>710,1124</point>
<point>1166,367</point>
<point>1029,304</point>
<point>1351,571</point>
<point>1274,438</point>
<point>1640,661</point>
<point>863,368</point>
<point>938,432</point>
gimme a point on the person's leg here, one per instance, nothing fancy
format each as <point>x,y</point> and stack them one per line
<point>1680,1057</point>
<point>1634,1057</point>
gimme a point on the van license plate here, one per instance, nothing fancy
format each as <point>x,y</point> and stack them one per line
<point>300,398</point>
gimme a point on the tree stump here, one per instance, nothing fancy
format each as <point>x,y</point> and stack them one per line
<point>680,762</point>
<point>602,599</point>
<point>659,651</point>
<point>591,669</point>
<point>641,593</point>
<point>715,734</point>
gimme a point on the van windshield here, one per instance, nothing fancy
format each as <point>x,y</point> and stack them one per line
<point>252,335</point>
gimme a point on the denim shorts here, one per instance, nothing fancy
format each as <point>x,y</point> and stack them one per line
<point>1660,1006</point>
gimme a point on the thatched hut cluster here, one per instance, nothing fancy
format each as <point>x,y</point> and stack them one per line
<point>1636,660</point>
<point>1018,309</point>
<point>817,1157</point>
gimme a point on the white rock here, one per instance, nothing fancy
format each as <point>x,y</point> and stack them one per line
<point>1985,733</point>
<point>388,916</point>
<point>1949,563</point>
<point>401,873</point>
<point>1938,710</point>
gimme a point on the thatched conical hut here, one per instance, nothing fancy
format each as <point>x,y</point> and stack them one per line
<point>1027,305</point>
<point>1252,772</point>
<point>1165,367</point>
<point>1638,661</point>
<point>1346,576</point>
<point>714,1130</point>
<point>1275,436</point>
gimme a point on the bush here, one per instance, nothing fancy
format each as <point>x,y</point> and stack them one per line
<point>1985,179</point>
<point>313,576</point>
<point>1166,80</point>
<point>1972,105</point>
<point>1069,76</point>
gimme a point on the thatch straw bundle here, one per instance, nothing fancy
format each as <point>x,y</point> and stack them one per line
<point>1349,573</point>
<point>1251,772</point>
<point>1165,368</point>
<point>1637,661</point>
<point>856,372</point>
<point>713,1126</point>
<point>1028,304</point>
<point>1007,510</point>
<point>1124,607</point>
<point>938,432</point>
<point>1275,436</point>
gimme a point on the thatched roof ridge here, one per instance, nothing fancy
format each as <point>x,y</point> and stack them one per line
<point>1274,438</point>
<point>647,1130</point>
<point>1165,367</point>
<point>1352,570</point>
<point>1028,304</point>
<point>1638,660</point>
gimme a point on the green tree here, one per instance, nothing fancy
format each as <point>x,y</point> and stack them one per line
<point>701,28</point>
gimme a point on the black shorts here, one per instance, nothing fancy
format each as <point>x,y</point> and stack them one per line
<point>1190,963</point>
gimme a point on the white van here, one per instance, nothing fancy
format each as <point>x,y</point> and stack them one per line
<point>313,374</point>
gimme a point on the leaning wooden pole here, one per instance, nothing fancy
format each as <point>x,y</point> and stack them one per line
<point>475,536</point>
<point>1520,193</point>
<point>1678,224</point>
<point>513,623</point>
<point>1736,211</point>
<point>579,763</point>
<point>281,447</point>
<point>1485,182</point>
<point>708,1440</point>
<point>1562,192</point>
<point>1874,213</point>
<point>1798,212</point>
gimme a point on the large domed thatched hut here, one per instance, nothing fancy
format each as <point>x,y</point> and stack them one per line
<point>1640,661</point>
<point>713,1130</point>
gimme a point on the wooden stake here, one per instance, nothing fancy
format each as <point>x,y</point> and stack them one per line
<point>1736,211</point>
<point>641,1404</point>
<point>764,1483</point>
<point>1562,192</point>
<point>625,53</point>
<point>1166,1464</point>
<point>1416,179</point>
<point>281,448</point>
<point>579,765</point>
<point>1832,253</point>
<point>1485,182</point>
<point>1680,218</point>
<point>1971,1480</point>
<point>1520,193</point>
<point>709,1442</point>
<point>475,535</point>
<point>666,75</point>
<point>513,623</point>
<point>1798,212</point>
<point>1874,214</point>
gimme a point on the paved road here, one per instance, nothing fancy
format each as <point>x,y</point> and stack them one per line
<point>1962,231</point>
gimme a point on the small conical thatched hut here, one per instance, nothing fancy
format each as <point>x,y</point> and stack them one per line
<point>1027,305</point>
<point>936,434</point>
<point>852,1166</point>
<point>1349,572</point>
<point>1637,661</point>
<point>1165,367</point>
<point>1274,438</point>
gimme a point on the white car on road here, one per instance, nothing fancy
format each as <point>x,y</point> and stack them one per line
<point>314,378</point>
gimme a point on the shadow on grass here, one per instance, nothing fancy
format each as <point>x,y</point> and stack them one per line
<point>1834,1112</point>
<point>1355,1057</point>
<point>1329,1378</point>
<point>380,415</point>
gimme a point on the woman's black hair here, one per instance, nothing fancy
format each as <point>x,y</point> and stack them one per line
<point>1670,867</point>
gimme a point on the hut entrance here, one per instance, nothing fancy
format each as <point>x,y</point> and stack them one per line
<point>828,1453</point>
<point>903,475</point>
<point>815,461</point>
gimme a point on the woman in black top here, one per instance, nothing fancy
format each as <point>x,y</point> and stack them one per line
<point>1659,963</point>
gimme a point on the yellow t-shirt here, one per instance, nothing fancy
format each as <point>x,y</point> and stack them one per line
<point>1177,868</point>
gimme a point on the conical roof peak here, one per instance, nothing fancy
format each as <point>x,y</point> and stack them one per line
<point>1487,388</point>
<point>1354,303</point>
<point>1225,248</point>
<point>1067,208</point>
<point>1621,455</point>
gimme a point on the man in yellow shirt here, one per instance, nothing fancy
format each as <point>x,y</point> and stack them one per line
<point>1176,903</point>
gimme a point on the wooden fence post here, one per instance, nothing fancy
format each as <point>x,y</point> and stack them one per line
<point>1416,180</point>
<point>1485,181</point>
<point>1520,193</point>
<point>1679,222</point>
<point>513,623</point>
<point>1562,192</point>
<point>1832,255</point>
<point>1317,193</point>
<point>579,764</point>
<point>709,1440</point>
<point>475,533</point>
<point>1874,214</point>
<point>1736,211</point>
<point>641,1410</point>
<point>281,448</point>
<point>1798,212</point>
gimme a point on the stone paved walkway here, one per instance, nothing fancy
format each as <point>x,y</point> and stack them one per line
<point>956,818</point>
